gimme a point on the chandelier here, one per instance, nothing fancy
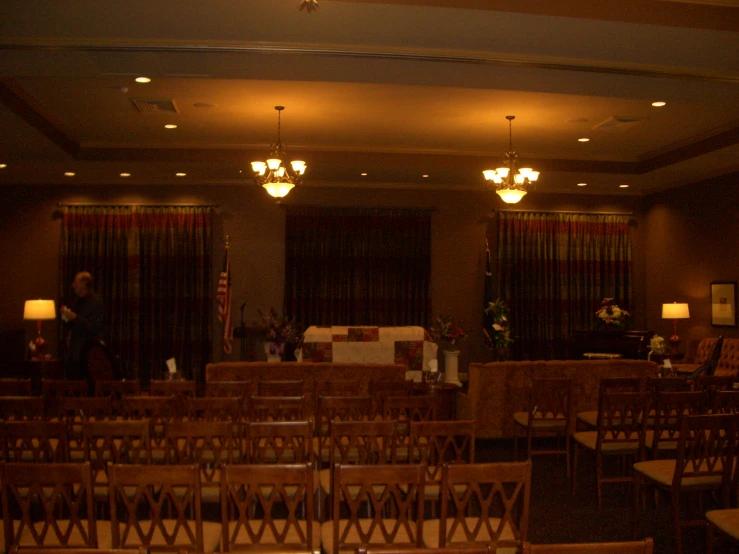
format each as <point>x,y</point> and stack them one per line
<point>511,183</point>
<point>277,179</point>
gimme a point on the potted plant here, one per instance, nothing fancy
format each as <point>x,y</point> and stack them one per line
<point>448,334</point>
<point>280,336</point>
<point>497,333</point>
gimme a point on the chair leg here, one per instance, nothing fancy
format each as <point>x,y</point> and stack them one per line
<point>599,479</point>
<point>635,502</point>
<point>515,442</point>
<point>709,537</point>
<point>676,527</point>
<point>567,453</point>
<point>574,466</point>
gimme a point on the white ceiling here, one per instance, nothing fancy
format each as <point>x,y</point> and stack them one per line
<point>396,89</point>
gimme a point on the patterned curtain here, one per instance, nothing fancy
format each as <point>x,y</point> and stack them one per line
<point>553,271</point>
<point>152,266</point>
<point>358,266</point>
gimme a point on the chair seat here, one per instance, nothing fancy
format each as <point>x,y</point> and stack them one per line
<point>211,535</point>
<point>459,538</point>
<point>667,445</point>
<point>726,520</point>
<point>522,418</point>
<point>662,471</point>
<point>589,439</point>
<point>588,418</point>
<point>267,541</point>
<point>352,539</point>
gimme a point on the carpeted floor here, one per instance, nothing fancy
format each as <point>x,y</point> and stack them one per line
<point>557,515</point>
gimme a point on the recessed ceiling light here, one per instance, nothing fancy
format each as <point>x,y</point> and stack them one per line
<point>623,186</point>
<point>143,80</point>
<point>69,173</point>
<point>170,126</point>
<point>424,176</point>
<point>658,104</point>
<point>125,174</point>
<point>364,174</point>
<point>3,166</point>
<point>583,139</point>
<point>582,184</point>
<point>180,174</point>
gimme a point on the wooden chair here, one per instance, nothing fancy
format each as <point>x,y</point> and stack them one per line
<point>337,408</point>
<point>74,550</point>
<point>705,461</point>
<point>15,387</point>
<point>669,407</point>
<point>482,504</point>
<point>279,442</point>
<point>435,443</point>
<point>210,445</point>
<point>15,408</point>
<point>173,387</point>
<point>285,521</point>
<point>55,388</point>
<point>589,419</point>
<point>547,414</point>
<point>281,388</point>
<point>170,496</point>
<point>724,401</point>
<point>360,443</point>
<point>383,507</point>
<point>404,410</point>
<point>619,432</point>
<point>383,388</point>
<point>645,546</point>
<point>114,442</point>
<point>490,549</point>
<point>115,390</point>
<point>75,412</point>
<point>34,441</point>
<point>722,526</point>
<point>33,496</point>
<point>337,388</point>
<point>714,382</point>
<point>158,411</point>
<point>239,389</point>
<point>277,408</point>
<point>214,408</point>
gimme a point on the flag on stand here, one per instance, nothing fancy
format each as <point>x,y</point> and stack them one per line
<point>487,320</point>
<point>223,294</point>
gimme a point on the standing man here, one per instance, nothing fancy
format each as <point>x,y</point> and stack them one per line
<point>83,321</point>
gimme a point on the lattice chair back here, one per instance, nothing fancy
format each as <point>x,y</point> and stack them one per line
<point>34,441</point>
<point>706,449</point>
<point>75,412</point>
<point>669,409</point>
<point>272,507</point>
<point>281,388</point>
<point>18,408</point>
<point>337,408</point>
<point>214,408</point>
<point>482,504</point>
<point>34,496</point>
<point>383,505</point>
<point>277,408</point>
<point>435,443</point>
<point>279,442</point>
<point>724,401</point>
<point>15,387</point>
<point>620,420</point>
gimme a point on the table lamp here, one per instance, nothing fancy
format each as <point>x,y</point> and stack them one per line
<point>39,310</point>
<point>674,312</point>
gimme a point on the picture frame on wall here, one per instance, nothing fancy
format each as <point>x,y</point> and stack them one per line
<point>723,304</point>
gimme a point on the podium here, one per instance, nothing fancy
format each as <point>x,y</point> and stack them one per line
<point>251,342</point>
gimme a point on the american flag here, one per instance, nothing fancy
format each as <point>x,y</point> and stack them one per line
<point>224,304</point>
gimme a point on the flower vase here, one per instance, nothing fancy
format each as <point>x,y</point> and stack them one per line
<point>272,351</point>
<point>273,358</point>
<point>451,367</point>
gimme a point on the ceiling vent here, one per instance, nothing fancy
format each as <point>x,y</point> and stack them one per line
<point>621,123</point>
<point>152,105</point>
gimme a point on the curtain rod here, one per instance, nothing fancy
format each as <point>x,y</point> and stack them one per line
<point>561,212</point>
<point>123,205</point>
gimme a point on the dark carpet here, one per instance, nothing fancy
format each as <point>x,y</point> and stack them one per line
<point>557,515</point>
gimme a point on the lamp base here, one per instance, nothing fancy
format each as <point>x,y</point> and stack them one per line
<point>674,341</point>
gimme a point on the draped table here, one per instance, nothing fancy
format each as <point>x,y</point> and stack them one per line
<point>410,346</point>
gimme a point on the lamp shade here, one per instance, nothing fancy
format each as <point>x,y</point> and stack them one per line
<point>39,309</point>
<point>675,311</point>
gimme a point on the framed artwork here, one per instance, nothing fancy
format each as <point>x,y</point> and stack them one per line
<point>723,304</point>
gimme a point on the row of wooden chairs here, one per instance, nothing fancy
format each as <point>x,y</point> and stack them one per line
<point>265,505</point>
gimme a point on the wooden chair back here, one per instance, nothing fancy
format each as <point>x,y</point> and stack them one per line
<point>115,442</point>
<point>644,546</point>
<point>77,411</point>
<point>435,443</point>
<point>240,389</point>
<point>16,408</point>
<point>168,495</point>
<point>490,549</point>
<point>214,408</point>
<point>724,401</point>
<point>48,505</point>
<point>172,387</point>
<point>15,387</point>
<point>655,385</point>
<point>285,494</point>
<point>75,550</point>
<point>405,409</point>
<point>715,382</point>
<point>279,442</point>
<point>34,441</point>
<point>620,421</point>
<point>383,506</point>
<point>484,503</point>
<point>158,410</point>
<point>277,408</point>
<point>363,443</point>
<point>337,388</point>
<point>281,388</point>
<point>55,388</point>
<point>386,387</point>
<point>337,408</point>
<point>209,444</point>
<point>669,409</point>
<point>115,390</point>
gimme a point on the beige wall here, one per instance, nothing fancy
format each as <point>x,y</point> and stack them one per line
<point>693,240</point>
<point>30,231</point>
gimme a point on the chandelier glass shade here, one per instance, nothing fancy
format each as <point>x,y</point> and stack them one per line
<point>511,183</point>
<point>275,177</point>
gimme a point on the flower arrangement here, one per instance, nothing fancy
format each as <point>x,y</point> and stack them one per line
<point>497,334</point>
<point>610,314</point>
<point>658,344</point>
<point>447,333</point>
<point>279,330</point>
